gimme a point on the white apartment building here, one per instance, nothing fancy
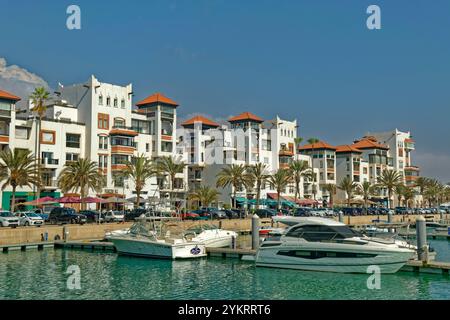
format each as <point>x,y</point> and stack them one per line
<point>247,140</point>
<point>97,121</point>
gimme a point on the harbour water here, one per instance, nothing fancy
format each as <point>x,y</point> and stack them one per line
<point>42,275</point>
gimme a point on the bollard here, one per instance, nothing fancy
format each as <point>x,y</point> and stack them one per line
<point>341,216</point>
<point>421,233</point>
<point>255,232</point>
<point>65,233</point>
<point>233,242</point>
<point>389,216</point>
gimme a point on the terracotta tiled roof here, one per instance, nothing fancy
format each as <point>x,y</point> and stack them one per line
<point>246,116</point>
<point>409,140</point>
<point>368,143</point>
<point>201,119</point>
<point>8,96</point>
<point>317,146</point>
<point>156,98</point>
<point>347,149</point>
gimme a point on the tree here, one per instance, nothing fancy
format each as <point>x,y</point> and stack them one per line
<point>39,99</point>
<point>422,183</point>
<point>139,169</point>
<point>366,190</point>
<point>408,194</point>
<point>399,190</point>
<point>280,180</point>
<point>389,179</point>
<point>313,140</point>
<point>260,176</point>
<point>331,189</point>
<point>80,176</point>
<point>299,169</point>
<point>349,187</point>
<point>170,166</point>
<point>204,195</point>
<point>235,176</point>
<point>18,168</point>
<point>297,142</point>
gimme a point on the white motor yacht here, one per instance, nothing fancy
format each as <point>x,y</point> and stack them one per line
<point>211,236</point>
<point>320,244</point>
<point>143,240</point>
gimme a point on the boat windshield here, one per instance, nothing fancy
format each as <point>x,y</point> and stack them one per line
<point>199,229</point>
<point>322,232</point>
<point>144,229</point>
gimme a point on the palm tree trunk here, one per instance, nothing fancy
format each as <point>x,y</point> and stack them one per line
<point>38,188</point>
<point>389,198</point>
<point>138,196</point>
<point>258,194</point>
<point>278,200</point>
<point>13,199</point>
<point>297,188</point>
<point>234,197</point>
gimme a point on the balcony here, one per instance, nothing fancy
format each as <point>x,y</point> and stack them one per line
<point>117,167</point>
<point>48,162</point>
<point>50,184</point>
<point>4,138</point>
<point>286,153</point>
<point>119,130</point>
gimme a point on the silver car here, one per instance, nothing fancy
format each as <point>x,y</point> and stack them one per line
<point>7,219</point>
<point>114,216</point>
<point>30,219</point>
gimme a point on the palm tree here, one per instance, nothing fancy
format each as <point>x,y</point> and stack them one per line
<point>139,169</point>
<point>313,140</point>
<point>408,194</point>
<point>366,190</point>
<point>260,176</point>
<point>349,187</point>
<point>331,189</point>
<point>39,98</point>
<point>204,195</point>
<point>422,183</point>
<point>399,190</point>
<point>297,142</point>
<point>18,168</point>
<point>170,166</point>
<point>299,169</point>
<point>80,176</point>
<point>235,176</point>
<point>280,180</point>
<point>389,179</point>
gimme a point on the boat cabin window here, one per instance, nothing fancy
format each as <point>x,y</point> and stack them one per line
<point>321,232</point>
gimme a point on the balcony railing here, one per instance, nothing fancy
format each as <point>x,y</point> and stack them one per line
<point>50,183</point>
<point>48,161</point>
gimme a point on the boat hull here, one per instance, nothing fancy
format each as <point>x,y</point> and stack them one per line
<point>161,250</point>
<point>387,260</point>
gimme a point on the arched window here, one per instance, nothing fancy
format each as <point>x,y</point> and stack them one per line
<point>119,122</point>
<point>100,100</point>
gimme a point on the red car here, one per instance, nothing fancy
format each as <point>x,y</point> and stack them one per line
<point>190,216</point>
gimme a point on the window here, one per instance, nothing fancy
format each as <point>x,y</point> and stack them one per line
<point>115,103</point>
<point>100,100</point>
<point>119,122</point>
<point>47,137</point>
<point>119,159</point>
<point>118,180</point>
<point>72,140</point>
<point>122,104</point>
<point>72,156</point>
<point>102,161</point>
<point>147,147</point>
<point>103,142</point>
<point>103,121</point>
<point>108,101</point>
<point>122,141</point>
<point>166,146</point>
<point>22,133</point>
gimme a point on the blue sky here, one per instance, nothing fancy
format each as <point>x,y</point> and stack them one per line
<point>311,60</point>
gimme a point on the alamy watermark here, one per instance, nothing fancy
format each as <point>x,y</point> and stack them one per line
<point>74,280</point>
<point>73,21</point>
<point>374,280</point>
<point>374,20</point>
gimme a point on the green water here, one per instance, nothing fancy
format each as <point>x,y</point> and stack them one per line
<point>41,275</point>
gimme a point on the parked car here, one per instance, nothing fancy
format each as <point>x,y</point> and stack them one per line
<point>202,213</point>
<point>135,213</point>
<point>7,219</point>
<point>30,219</point>
<point>114,216</point>
<point>66,215</point>
<point>239,212</point>
<point>231,214</point>
<point>190,216</point>
<point>93,216</point>
<point>218,214</point>
<point>401,210</point>
<point>266,213</point>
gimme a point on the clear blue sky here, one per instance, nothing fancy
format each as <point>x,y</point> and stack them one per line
<point>311,60</point>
